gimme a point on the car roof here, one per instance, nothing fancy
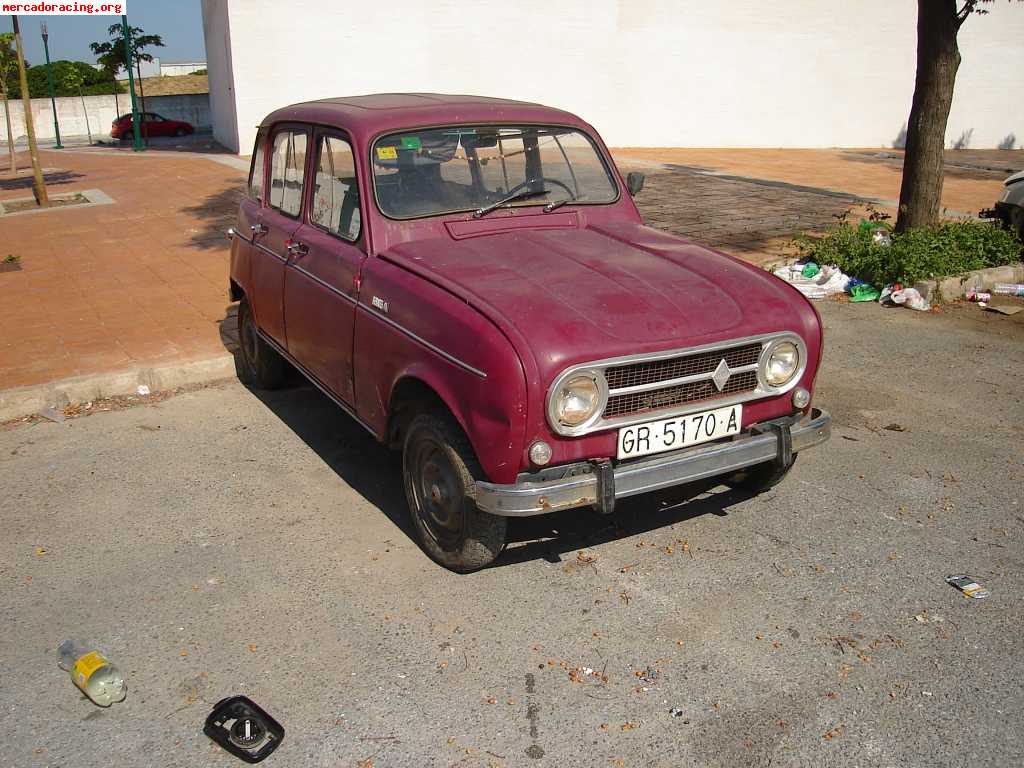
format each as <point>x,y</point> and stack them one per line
<point>365,116</point>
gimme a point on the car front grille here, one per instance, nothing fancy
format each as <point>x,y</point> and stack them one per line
<point>638,374</point>
<point>681,394</point>
<point>644,387</point>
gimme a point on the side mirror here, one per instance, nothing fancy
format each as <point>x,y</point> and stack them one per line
<point>634,182</point>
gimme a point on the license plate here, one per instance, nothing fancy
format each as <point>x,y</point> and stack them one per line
<point>680,432</point>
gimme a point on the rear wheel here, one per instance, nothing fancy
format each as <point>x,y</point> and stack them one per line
<point>440,471</point>
<point>760,477</point>
<point>261,365</point>
<point>180,132</point>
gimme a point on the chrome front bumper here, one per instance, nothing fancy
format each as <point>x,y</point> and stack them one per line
<point>601,484</point>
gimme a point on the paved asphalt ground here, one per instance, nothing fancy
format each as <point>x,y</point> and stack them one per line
<point>223,542</point>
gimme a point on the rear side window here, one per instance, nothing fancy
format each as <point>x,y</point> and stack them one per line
<point>287,164</point>
<point>256,169</point>
<point>336,194</point>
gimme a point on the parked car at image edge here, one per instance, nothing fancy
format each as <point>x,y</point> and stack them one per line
<point>151,124</point>
<point>1010,207</point>
<point>470,280</point>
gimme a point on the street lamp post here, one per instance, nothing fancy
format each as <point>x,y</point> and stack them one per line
<point>49,83</point>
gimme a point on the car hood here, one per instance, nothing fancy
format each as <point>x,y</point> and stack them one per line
<point>575,295</point>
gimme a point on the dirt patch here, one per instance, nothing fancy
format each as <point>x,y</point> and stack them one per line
<point>19,206</point>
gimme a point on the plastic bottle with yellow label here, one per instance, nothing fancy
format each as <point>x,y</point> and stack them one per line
<point>98,679</point>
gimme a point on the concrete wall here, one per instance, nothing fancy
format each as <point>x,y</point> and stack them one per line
<point>193,108</point>
<point>803,73</point>
<point>220,74</point>
<point>181,68</point>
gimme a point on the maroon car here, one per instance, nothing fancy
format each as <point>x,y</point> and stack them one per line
<point>150,124</point>
<point>470,280</point>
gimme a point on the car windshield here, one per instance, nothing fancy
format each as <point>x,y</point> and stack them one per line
<point>462,168</point>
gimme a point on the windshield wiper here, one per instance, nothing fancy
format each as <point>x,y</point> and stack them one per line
<point>522,195</point>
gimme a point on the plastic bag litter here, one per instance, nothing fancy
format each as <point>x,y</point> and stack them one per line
<point>823,281</point>
<point>911,297</point>
<point>863,292</point>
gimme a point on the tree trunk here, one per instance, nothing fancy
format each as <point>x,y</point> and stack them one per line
<point>117,106</point>
<point>85,111</point>
<point>10,135</point>
<point>937,61</point>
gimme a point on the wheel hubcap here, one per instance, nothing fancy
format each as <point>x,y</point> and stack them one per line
<point>438,494</point>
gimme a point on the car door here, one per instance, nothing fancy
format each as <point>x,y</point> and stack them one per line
<point>248,227</point>
<point>277,223</point>
<point>321,280</point>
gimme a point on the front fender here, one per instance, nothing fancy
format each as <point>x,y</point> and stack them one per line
<point>407,327</point>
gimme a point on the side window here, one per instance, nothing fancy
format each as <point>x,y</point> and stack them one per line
<point>336,194</point>
<point>256,169</point>
<point>287,164</point>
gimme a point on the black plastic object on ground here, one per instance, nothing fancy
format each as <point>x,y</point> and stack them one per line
<point>241,727</point>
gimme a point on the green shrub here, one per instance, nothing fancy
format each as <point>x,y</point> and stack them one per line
<point>951,248</point>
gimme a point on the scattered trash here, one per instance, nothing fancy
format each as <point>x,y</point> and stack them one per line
<point>241,727</point>
<point>861,291</point>
<point>142,391</point>
<point>676,712</point>
<point>968,586</point>
<point>895,428</point>
<point>911,298</point>
<point>973,295</point>
<point>881,237</point>
<point>885,298</point>
<point>97,678</point>
<point>1001,309</point>
<point>1009,289</point>
<point>813,281</point>
<point>52,414</point>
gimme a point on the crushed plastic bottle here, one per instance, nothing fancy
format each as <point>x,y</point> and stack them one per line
<point>98,679</point>
<point>1009,289</point>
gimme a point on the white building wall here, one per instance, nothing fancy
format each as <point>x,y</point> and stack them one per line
<point>220,72</point>
<point>803,73</point>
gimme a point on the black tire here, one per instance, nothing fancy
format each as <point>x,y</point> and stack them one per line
<point>180,132</point>
<point>261,365</point>
<point>439,470</point>
<point>760,477</point>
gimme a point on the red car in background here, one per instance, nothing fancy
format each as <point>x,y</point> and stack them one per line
<point>151,124</point>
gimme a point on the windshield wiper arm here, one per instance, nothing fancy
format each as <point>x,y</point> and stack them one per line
<point>557,204</point>
<point>522,195</point>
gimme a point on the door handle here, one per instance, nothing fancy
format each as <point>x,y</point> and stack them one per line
<point>258,229</point>
<point>295,248</point>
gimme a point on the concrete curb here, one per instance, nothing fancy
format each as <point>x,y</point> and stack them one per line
<point>58,394</point>
<point>953,288</point>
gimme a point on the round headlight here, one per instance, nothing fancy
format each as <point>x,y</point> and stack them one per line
<point>577,400</point>
<point>783,362</point>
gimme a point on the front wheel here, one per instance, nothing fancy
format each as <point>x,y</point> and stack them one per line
<point>180,132</point>
<point>760,477</point>
<point>440,471</point>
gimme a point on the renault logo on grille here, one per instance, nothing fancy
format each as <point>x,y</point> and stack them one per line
<point>721,375</point>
